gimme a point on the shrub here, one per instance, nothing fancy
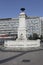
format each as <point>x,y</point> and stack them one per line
<point>30,37</point>
<point>35,36</point>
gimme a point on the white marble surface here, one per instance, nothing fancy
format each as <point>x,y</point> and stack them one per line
<point>22,26</point>
<point>22,43</point>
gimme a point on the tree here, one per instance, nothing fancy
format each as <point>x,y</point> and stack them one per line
<point>30,37</point>
<point>41,38</point>
<point>35,36</point>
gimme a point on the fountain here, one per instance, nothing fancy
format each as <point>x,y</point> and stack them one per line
<point>21,41</point>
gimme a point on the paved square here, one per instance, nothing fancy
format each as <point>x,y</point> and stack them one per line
<point>16,58</point>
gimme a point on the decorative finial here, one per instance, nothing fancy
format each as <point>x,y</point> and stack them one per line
<point>22,9</point>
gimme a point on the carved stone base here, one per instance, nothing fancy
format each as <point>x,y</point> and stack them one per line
<point>21,44</point>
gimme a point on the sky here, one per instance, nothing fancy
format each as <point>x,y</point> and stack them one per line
<point>11,8</point>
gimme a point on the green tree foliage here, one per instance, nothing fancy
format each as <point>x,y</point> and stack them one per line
<point>30,37</point>
<point>35,36</point>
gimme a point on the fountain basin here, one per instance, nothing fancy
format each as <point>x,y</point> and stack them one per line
<point>21,43</point>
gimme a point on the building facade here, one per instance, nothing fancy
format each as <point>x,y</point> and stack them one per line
<point>33,25</point>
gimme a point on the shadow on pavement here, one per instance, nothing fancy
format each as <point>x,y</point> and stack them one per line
<point>25,60</point>
<point>10,58</point>
<point>13,57</point>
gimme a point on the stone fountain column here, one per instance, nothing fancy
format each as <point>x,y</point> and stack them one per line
<point>22,26</point>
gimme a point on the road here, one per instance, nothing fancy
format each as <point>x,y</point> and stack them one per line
<point>16,58</point>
